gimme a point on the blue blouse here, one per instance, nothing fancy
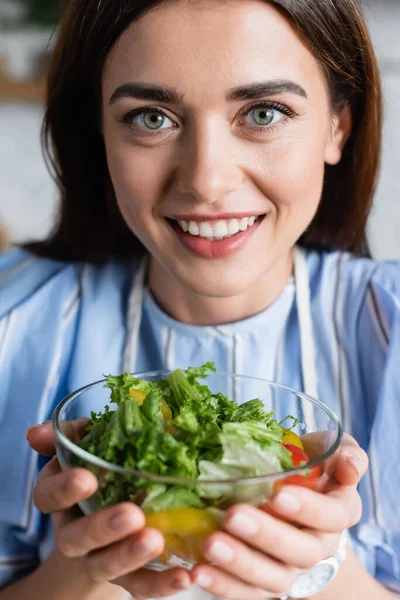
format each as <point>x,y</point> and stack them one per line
<point>63,325</point>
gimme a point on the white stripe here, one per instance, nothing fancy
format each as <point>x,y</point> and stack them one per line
<point>170,351</point>
<point>72,300</point>
<point>134,318</point>
<point>238,366</point>
<point>308,359</point>
<point>231,363</point>
<point>3,330</point>
<point>6,326</point>
<point>279,361</point>
<point>51,382</point>
<point>377,324</point>
<point>15,270</point>
<point>343,371</point>
<point>164,345</point>
<point>373,477</point>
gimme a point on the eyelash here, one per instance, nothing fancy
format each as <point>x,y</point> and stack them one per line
<point>127,119</point>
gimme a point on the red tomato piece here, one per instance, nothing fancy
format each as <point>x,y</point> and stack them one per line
<point>309,480</point>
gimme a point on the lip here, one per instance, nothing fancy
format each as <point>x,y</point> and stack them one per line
<point>220,217</point>
<point>216,248</point>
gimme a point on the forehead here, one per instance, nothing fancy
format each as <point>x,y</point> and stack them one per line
<point>210,45</point>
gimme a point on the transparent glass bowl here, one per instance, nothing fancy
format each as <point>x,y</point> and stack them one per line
<point>185,529</point>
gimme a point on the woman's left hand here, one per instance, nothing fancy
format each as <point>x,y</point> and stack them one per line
<point>260,554</point>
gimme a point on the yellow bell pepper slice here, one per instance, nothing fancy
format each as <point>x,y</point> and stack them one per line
<point>183,522</point>
<point>187,548</point>
<point>289,437</point>
<point>140,396</point>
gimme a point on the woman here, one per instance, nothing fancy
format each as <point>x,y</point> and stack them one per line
<point>238,144</point>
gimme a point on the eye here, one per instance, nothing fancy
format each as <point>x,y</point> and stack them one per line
<point>153,120</point>
<point>266,115</point>
<point>148,120</point>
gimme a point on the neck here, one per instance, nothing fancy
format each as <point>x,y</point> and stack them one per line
<point>185,306</point>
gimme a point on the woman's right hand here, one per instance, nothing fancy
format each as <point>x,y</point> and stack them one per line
<point>112,544</point>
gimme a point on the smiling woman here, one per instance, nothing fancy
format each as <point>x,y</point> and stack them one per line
<point>216,163</point>
<point>348,70</point>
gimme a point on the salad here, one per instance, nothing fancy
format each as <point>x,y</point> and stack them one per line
<point>177,427</point>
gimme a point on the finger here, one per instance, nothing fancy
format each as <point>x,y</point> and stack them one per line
<point>332,512</point>
<point>57,490</point>
<point>99,529</point>
<point>277,538</point>
<point>352,462</point>
<point>119,559</point>
<point>256,569</point>
<point>225,585</point>
<point>42,437</point>
<point>144,584</point>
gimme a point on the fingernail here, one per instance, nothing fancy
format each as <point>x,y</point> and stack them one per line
<point>285,502</point>
<point>204,580</point>
<point>121,522</point>
<point>355,462</point>
<point>30,429</point>
<point>220,552</point>
<point>243,525</point>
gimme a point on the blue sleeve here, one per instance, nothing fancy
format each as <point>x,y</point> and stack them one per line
<point>376,539</point>
<point>38,308</point>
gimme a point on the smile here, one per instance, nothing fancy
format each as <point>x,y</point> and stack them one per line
<point>217,230</point>
<point>218,237</point>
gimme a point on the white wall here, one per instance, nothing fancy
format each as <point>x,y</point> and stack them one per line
<point>384,21</point>
<point>28,196</point>
<point>27,193</point>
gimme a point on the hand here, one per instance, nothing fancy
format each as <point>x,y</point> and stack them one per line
<point>112,545</point>
<point>268,549</point>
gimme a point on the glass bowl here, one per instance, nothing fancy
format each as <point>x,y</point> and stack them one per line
<point>184,529</point>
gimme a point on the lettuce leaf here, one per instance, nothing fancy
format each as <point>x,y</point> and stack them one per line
<point>209,437</point>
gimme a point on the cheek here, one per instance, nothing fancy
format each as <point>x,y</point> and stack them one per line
<point>294,175</point>
<point>136,178</point>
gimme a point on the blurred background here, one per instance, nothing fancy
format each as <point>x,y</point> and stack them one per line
<point>28,198</point>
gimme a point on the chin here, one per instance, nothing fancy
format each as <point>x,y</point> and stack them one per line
<point>218,281</point>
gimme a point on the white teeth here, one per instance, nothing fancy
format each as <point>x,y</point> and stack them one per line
<point>193,228</point>
<point>206,230</point>
<point>220,229</point>
<point>233,227</point>
<point>243,224</point>
<point>217,230</point>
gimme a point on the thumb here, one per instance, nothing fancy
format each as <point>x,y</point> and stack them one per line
<point>42,437</point>
<point>352,462</point>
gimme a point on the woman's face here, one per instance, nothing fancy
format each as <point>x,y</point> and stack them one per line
<point>221,129</point>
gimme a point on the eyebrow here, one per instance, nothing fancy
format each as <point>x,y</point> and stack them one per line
<point>146,91</point>
<point>254,91</point>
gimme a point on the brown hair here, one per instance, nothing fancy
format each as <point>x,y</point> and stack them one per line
<point>90,227</point>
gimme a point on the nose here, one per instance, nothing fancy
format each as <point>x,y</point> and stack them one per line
<point>207,169</point>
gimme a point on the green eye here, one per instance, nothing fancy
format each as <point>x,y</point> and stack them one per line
<point>263,116</point>
<point>153,120</point>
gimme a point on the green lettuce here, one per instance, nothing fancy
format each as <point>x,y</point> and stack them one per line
<point>208,437</point>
